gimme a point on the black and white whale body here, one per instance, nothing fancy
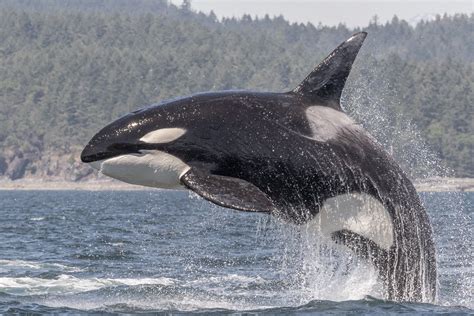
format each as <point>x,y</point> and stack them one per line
<point>295,155</point>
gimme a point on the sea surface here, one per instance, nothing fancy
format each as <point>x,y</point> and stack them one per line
<point>70,252</point>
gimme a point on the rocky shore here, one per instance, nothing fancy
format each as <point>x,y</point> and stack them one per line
<point>36,164</point>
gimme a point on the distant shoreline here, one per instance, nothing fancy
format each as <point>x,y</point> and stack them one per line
<point>440,184</point>
<point>426,185</point>
<point>55,185</point>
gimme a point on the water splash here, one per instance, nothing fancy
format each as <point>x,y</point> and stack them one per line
<point>319,269</point>
<point>455,225</point>
<point>311,267</point>
<point>371,100</point>
<point>314,267</point>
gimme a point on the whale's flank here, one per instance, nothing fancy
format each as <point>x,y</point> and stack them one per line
<point>295,155</point>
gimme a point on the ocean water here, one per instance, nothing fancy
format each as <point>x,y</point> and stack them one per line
<point>69,252</point>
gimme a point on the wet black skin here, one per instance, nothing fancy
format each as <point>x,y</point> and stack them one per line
<point>280,158</point>
<point>221,138</point>
<point>262,144</point>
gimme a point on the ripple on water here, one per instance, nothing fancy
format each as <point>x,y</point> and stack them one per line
<point>163,252</point>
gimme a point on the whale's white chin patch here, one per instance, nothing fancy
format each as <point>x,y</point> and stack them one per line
<point>359,213</point>
<point>151,168</point>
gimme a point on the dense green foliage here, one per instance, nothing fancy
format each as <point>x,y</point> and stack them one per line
<point>69,67</point>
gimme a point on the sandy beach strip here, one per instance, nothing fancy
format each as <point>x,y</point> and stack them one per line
<point>426,185</point>
<point>47,185</point>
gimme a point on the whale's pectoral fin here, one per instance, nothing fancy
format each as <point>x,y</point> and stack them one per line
<point>363,247</point>
<point>227,191</point>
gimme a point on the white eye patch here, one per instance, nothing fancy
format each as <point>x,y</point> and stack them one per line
<point>164,135</point>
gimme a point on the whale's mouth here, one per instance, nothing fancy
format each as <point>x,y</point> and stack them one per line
<point>98,161</point>
<point>97,165</point>
<point>92,153</point>
<point>97,157</point>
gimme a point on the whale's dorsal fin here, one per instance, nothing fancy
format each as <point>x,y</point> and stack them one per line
<point>324,85</point>
<point>228,192</point>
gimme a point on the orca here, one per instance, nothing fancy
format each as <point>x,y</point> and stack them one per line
<point>295,155</point>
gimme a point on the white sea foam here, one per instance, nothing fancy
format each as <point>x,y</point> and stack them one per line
<point>228,279</point>
<point>315,268</point>
<point>37,219</point>
<point>208,293</point>
<point>183,303</point>
<point>67,284</point>
<point>19,266</point>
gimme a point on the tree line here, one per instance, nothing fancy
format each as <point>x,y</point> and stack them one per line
<point>69,67</point>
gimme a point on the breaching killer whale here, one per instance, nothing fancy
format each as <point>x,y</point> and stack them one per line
<point>295,155</point>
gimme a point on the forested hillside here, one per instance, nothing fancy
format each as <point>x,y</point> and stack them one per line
<point>69,67</point>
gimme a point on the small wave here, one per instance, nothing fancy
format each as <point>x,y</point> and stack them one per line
<point>22,266</point>
<point>67,284</point>
<point>114,254</point>
<point>37,219</point>
<point>229,278</point>
<point>366,306</point>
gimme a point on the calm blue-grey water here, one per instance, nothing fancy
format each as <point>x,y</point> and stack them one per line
<point>167,251</point>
